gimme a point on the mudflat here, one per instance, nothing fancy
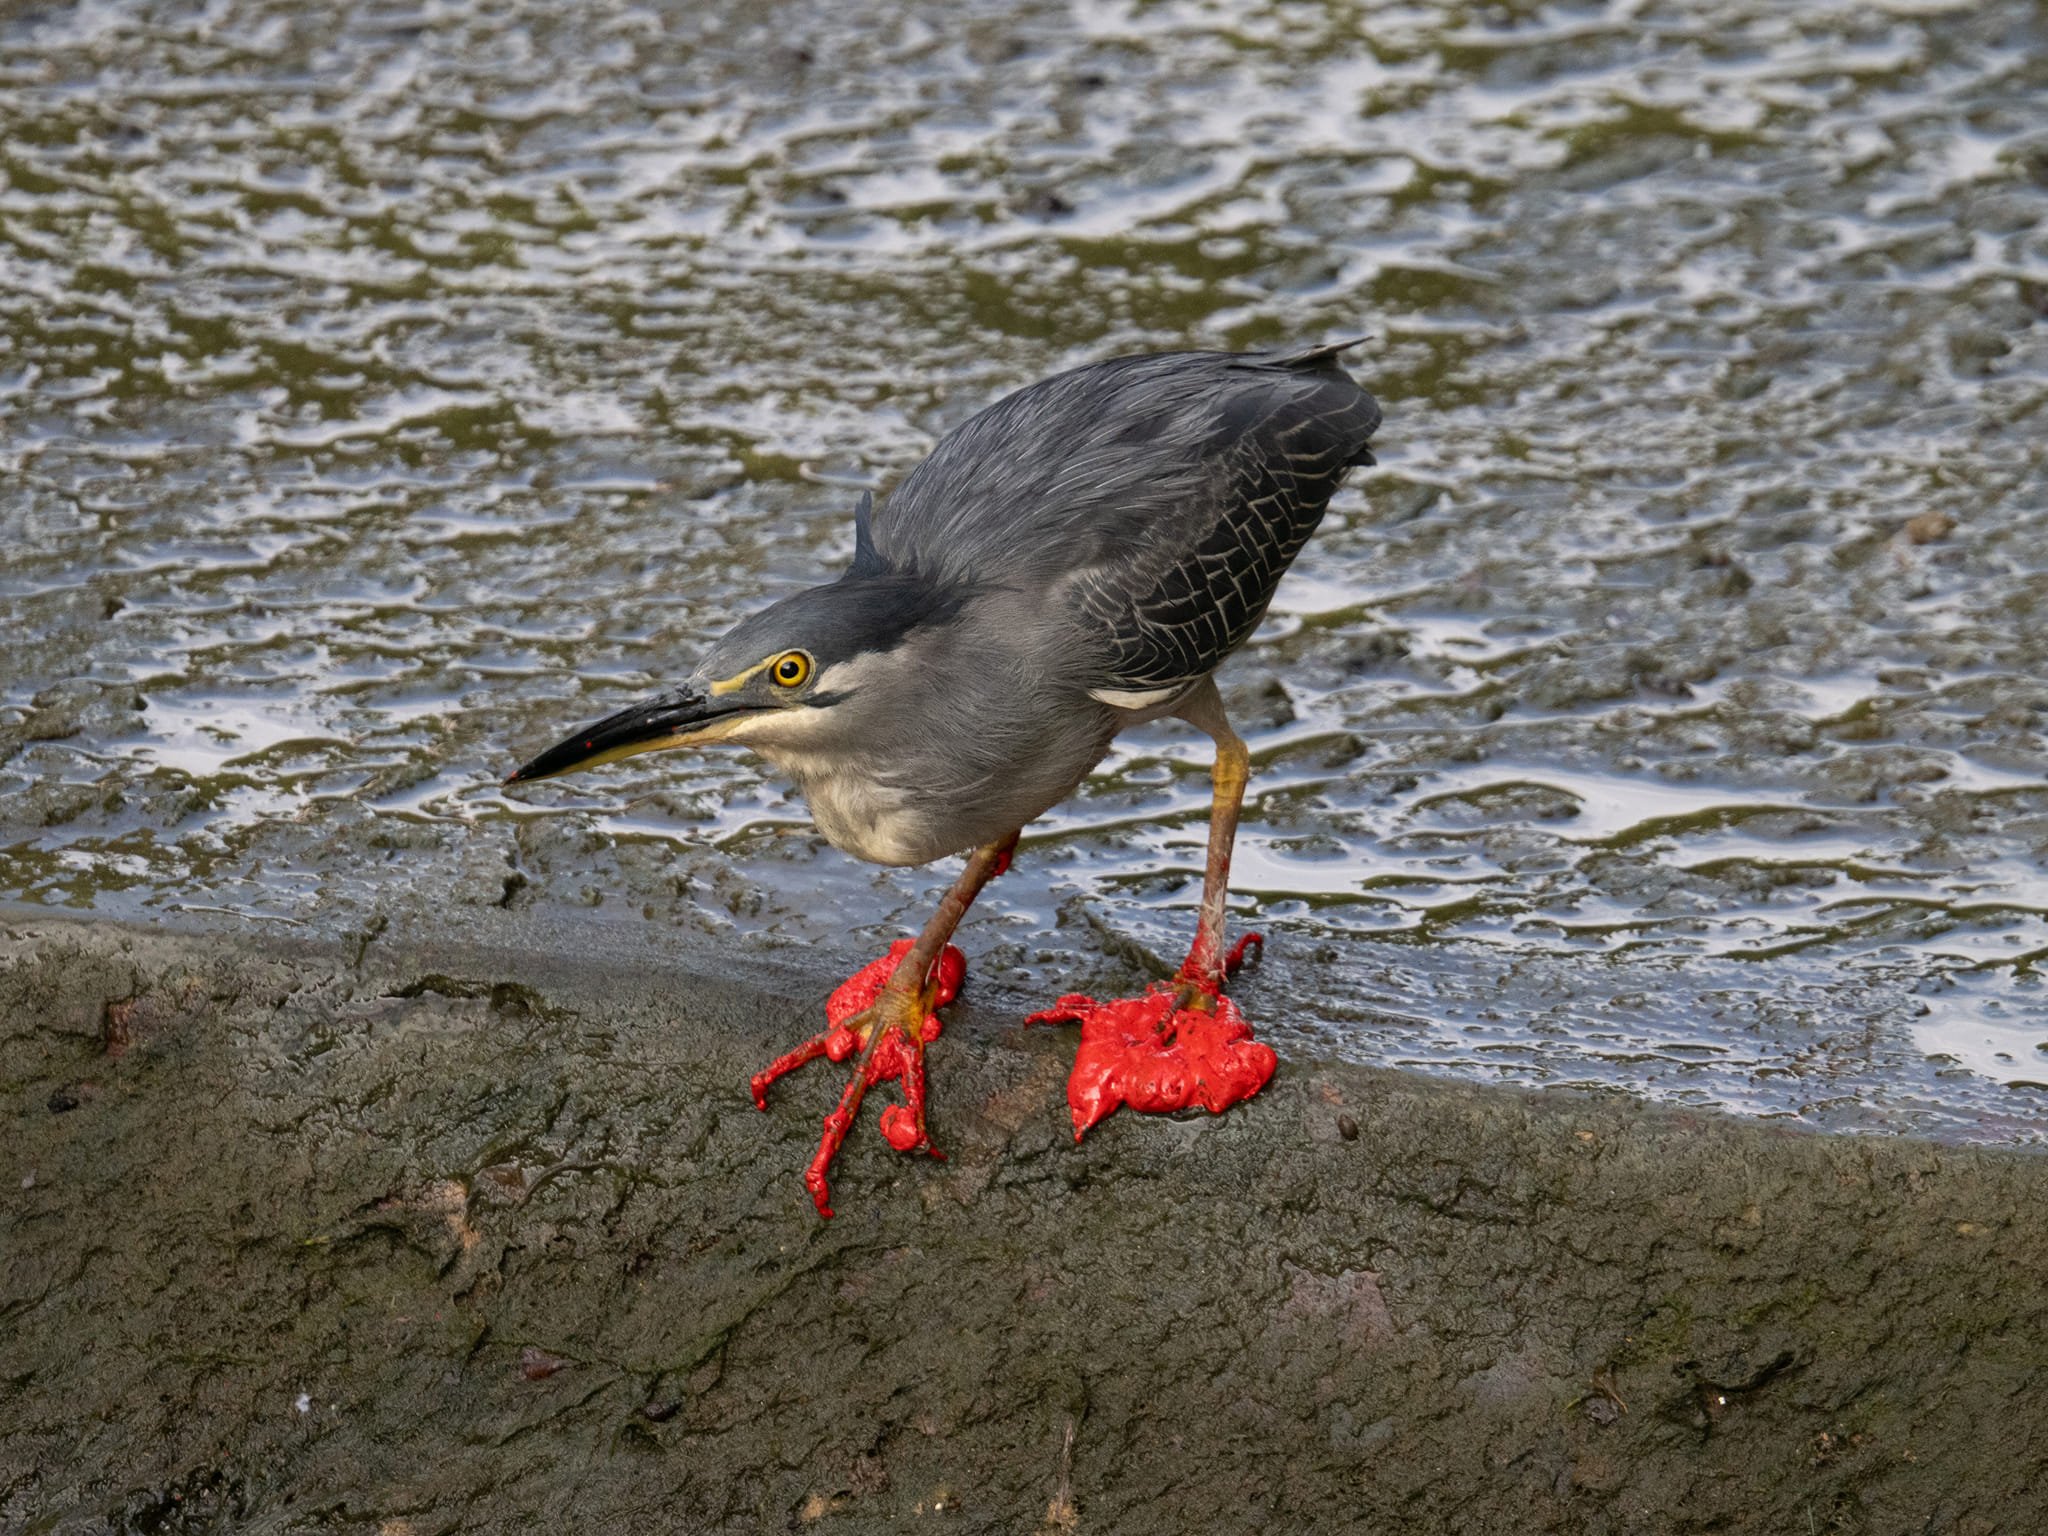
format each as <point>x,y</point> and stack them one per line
<point>412,1238</point>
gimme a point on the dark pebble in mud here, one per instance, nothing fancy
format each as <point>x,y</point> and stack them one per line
<point>538,1365</point>
<point>1347,1128</point>
<point>63,1101</point>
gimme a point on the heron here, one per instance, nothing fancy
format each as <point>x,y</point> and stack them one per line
<point>1072,561</point>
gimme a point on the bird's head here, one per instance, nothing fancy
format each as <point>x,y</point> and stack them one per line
<point>782,679</point>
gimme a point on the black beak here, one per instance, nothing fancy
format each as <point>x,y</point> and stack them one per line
<point>670,720</point>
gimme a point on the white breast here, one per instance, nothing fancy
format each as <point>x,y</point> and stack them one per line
<point>869,820</point>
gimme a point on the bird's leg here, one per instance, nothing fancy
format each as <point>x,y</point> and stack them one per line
<point>886,1012</point>
<point>1207,966</point>
<point>1183,1043</point>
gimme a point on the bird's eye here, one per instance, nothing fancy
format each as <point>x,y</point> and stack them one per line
<point>790,670</point>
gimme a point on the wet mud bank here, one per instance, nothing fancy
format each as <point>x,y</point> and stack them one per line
<point>427,1240</point>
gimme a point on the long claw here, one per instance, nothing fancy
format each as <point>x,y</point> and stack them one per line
<point>887,1051</point>
<point>838,1043</point>
<point>837,1124</point>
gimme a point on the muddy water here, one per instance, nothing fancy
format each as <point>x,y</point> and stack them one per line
<point>385,388</point>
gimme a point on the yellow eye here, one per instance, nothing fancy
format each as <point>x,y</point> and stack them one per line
<point>790,670</point>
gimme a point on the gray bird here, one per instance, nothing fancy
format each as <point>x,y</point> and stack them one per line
<point>1074,560</point>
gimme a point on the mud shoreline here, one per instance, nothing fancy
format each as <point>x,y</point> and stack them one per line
<point>411,1238</point>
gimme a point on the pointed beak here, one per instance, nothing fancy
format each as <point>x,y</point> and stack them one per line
<point>679,718</point>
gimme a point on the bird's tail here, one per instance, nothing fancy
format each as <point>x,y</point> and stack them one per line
<point>1360,408</point>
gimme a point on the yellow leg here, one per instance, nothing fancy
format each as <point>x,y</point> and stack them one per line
<point>1205,967</point>
<point>1183,1043</point>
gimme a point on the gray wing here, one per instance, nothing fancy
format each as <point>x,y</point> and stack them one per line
<point>1155,502</point>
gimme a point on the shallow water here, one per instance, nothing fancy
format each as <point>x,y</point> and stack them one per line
<point>382,394</point>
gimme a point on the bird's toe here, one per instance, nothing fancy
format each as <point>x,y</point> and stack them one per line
<point>889,1033</point>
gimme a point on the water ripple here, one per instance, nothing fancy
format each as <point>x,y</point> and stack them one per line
<point>382,389</point>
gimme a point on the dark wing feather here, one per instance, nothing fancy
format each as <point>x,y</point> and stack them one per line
<point>1155,502</point>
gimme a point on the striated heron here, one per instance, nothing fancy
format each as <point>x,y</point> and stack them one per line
<point>1074,560</point>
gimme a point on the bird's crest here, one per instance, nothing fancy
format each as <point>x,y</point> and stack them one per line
<point>867,560</point>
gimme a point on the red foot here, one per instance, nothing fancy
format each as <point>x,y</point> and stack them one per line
<point>1154,1056</point>
<point>893,1056</point>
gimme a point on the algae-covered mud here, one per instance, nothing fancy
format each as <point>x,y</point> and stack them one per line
<point>451,1239</point>
<point>384,388</point>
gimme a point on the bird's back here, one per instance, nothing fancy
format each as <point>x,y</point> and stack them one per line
<point>1155,501</point>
